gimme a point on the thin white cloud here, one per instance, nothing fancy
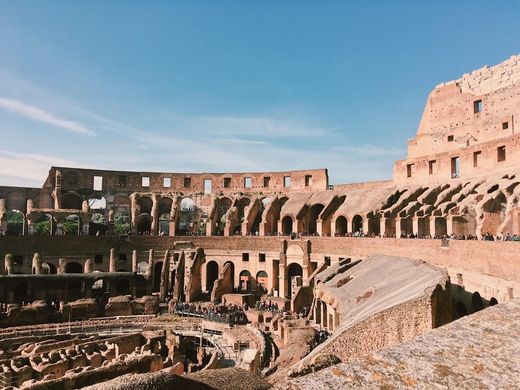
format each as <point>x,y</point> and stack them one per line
<point>41,115</point>
<point>28,169</point>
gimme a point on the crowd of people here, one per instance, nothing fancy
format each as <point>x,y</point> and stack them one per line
<point>231,314</point>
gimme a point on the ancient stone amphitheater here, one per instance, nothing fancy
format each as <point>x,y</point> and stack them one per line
<point>123,280</point>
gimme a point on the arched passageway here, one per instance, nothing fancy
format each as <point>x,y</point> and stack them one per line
<point>460,310</point>
<point>476,302</point>
<point>49,269</point>
<point>230,274</point>
<point>71,201</point>
<point>157,270</point>
<point>357,224</point>
<point>341,226</point>
<point>287,225</point>
<point>145,205</point>
<point>261,281</point>
<point>314,214</point>
<point>211,275</point>
<point>144,224</point>
<point>295,275</point>
<point>73,267</point>
<point>493,301</point>
<point>245,281</point>
<point>15,223</point>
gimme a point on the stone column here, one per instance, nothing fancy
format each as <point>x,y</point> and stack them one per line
<point>165,272</point>
<point>449,224</point>
<point>324,318</point>
<point>149,274</point>
<point>3,219</point>
<point>112,264</point>
<point>8,265</point>
<point>36,264</point>
<point>382,226</point>
<point>432,225</point>
<point>415,225</point>
<point>61,266</point>
<point>88,266</point>
<point>397,227</point>
<point>306,263</point>
<point>155,215</point>
<point>134,260</point>
<point>365,225</point>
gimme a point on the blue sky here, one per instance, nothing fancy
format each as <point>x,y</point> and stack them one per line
<point>231,85</point>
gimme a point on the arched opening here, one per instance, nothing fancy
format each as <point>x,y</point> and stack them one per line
<point>164,224</point>
<point>294,274</point>
<point>241,204</point>
<point>142,268</point>
<point>245,281</point>
<point>273,215</point>
<point>374,224</point>
<point>97,225</point>
<point>45,225</point>
<point>495,214</point>
<point>71,201</point>
<point>122,222</point>
<point>145,205</point>
<point>165,208</point>
<point>287,225</point>
<point>97,203</point>
<point>261,282</point>
<point>460,310</point>
<point>357,224</point>
<point>74,291</point>
<point>49,269</point>
<point>123,287</point>
<point>187,219</point>
<point>144,224</point>
<point>229,273</point>
<point>71,226</point>
<point>157,270</point>
<point>476,302</point>
<point>441,226</point>
<point>314,214</point>
<point>73,267</point>
<point>15,223</point>
<point>224,204</point>
<point>493,301</point>
<point>341,226</point>
<point>100,286</point>
<point>211,275</point>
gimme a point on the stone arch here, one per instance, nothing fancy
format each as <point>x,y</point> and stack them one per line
<point>241,204</point>
<point>314,214</point>
<point>460,310</point>
<point>287,225</point>
<point>71,200</point>
<point>231,273</point>
<point>97,225</point>
<point>294,271</point>
<point>157,270</point>
<point>224,204</point>
<point>187,217</point>
<point>374,224</point>
<point>211,274</point>
<point>144,224</point>
<point>262,280</point>
<point>49,269</point>
<point>142,267</point>
<point>245,281</point>
<point>73,267</point>
<point>145,204</point>
<point>15,223</point>
<point>341,225</point>
<point>357,223</point>
<point>476,302</point>
<point>493,301</point>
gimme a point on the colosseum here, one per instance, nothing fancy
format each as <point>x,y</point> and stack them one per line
<point>257,280</point>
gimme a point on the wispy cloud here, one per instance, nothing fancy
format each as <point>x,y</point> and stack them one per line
<point>370,150</point>
<point>41,115</point>
<point>28,169</point>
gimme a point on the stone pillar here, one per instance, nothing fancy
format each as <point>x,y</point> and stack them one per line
<point>397,227</point>
<point>382,226</point>
<point>134,212</point>
<point>88,266</point>
<point>165,272</point>
<point>155,215</point>
<point>61,266</point>
<point>57,190</point>
<point>415,225</point>
<point>432,225</point>
<point>3,219</point>
<point>449,224</point>
<point>36,264</point>
<point>323,314</point>
<point>306,263</point>
<point>365,225</point>
<point>134,260</point>
<point>149,274</point>
<point>112,264</point>
<point>8,265</point>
